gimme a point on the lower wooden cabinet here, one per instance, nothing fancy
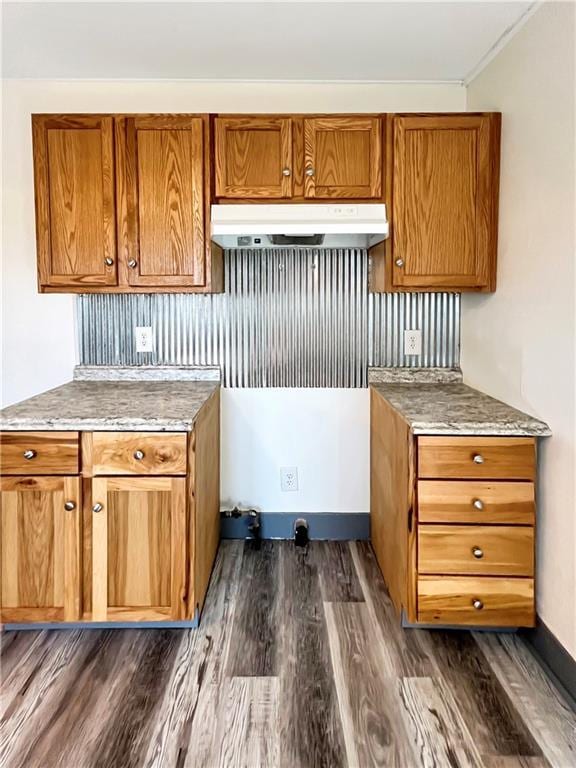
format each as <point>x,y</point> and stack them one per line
<point>139,548</point>
<point>452,523</point>
<point>102,547</point>
<point>41,548</point>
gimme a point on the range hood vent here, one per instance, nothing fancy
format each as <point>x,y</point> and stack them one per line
<point>294,224</point>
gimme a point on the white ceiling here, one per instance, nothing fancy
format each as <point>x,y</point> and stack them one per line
<point>356,41</point>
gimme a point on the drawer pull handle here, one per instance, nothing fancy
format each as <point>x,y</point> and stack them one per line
<point>477,604</point>
<point>138,455</point>
<point>69,506</point>
<point>97,507</point>
<point>478,458</point>
<point>286,171</point>
<point>310,172</point>
<point>132,263</point>
<point>29,454</point>
<point>108,261</point>
<point>478,504</point>
<point>478,553</point>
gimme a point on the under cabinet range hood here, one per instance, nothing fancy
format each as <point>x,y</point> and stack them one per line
<point>293,224</point>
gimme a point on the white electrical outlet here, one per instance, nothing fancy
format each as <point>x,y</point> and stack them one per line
<point>289,478</point>
<point>412,342</point>
<point>144,338</point>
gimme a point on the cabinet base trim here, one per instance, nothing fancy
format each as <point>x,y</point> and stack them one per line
<point>194,624</point>
<point>554,657</point>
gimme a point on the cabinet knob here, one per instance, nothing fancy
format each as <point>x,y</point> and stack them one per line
<point>29,454</point>
<point>108,261</point>
<point>138,455</point>
<point>478,553</point>
<point>69,506</point>
<point>399,262</point>
<point>477,604</point>
<point>310,171</point>
<point>478,504</point>
<point>132,263</point>
<point>97,507</point>
<point>478,458</point>
<point>286,171</point>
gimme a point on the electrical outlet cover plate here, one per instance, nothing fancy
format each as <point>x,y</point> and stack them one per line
<point>144,338</point>
<point>413,342</point>
<point>289,478</point>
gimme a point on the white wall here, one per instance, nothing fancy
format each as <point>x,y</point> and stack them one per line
<point>324,433</point>
<point>519,343</point>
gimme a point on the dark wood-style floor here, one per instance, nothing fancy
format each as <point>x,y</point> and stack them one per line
<point>299,662</point>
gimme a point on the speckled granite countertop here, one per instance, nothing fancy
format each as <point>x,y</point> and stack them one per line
<point>439,408</point>
<point>155,406</point>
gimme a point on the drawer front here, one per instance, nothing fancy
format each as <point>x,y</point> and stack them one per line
<point>471,458</point>
<point>139,453</point>
<point>39,453</point>
<point>487,550</point>
<point>476,601</point>
<point>468,501</point>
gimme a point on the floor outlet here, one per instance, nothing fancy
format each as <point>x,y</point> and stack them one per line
<point>144,338</point>
<point>412,342</point>
<point>289,478</point>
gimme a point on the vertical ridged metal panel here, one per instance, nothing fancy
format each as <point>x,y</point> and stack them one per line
<point>288,318</point>
<point>437,315</point>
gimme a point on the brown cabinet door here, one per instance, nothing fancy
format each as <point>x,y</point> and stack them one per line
<point>40,549</point>
<point>445,196</point>
<point>254,157</point>
<point>74,192</point>
<point>139,549</point>
<point>343,157</point>
<point>160,195</point>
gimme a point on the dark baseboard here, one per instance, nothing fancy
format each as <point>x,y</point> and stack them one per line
<point>554,657</point>
<point>327,526</point>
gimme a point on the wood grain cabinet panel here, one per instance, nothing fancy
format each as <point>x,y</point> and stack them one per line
<point>476,601</point>
<point>253,156</point>
<point>40,549</point>
<point>161,200</point>
<point>487,550</point>
<point>445,172</point>
<point>39,453</point>
<point>469,501</point>
<point>343,157</point>
<point>74,193</point>
<point>491,458</point>
<point>138,453</point>
<point>139,546</point>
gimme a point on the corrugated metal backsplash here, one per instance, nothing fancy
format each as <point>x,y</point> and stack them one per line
<point>288,318</point>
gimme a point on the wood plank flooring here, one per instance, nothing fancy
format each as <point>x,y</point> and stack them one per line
<point>300,662</point>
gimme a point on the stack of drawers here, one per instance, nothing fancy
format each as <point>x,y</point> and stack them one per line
<point>475,530</point>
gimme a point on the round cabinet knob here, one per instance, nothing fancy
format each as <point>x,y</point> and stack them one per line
<point>478,553</point>
<point>108,261</point>
<point>97,507</point>
<point>69,506</point>
<point>478,504</point>
<point>399,262</point>
<point>478,458</point>
<point>138,455</point>
<point>286,171</point>
<point>477,604</point>
<point>310,171</point>
<point>132,263</point>
<point>29,454</point>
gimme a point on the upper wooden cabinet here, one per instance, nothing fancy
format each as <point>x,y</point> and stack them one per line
<point>253,157</point>
<point>161,200</point>
<point>299,158</point>
<point>342,157</point>
<point>74,184</point>
<point>442,178</point>
<point>122,203</point>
